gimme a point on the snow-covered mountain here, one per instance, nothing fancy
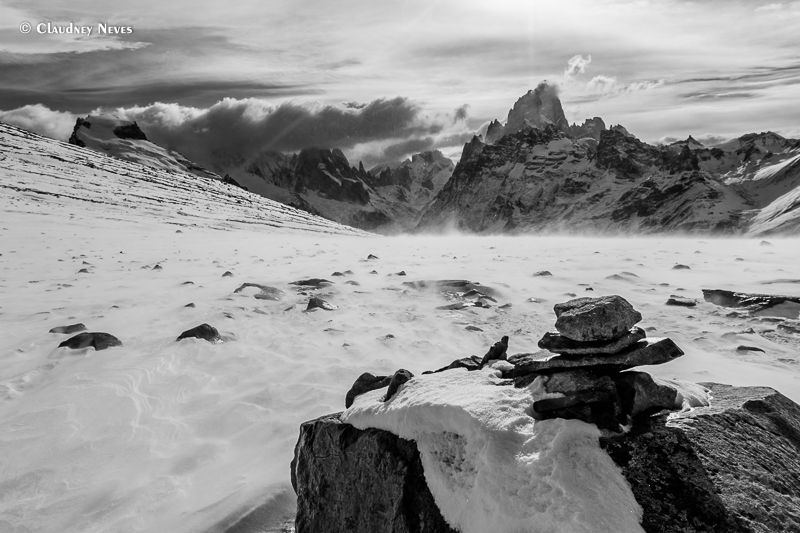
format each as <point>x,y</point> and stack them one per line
<point>538,173</point>
<point>535,172</point>
<point>125,140</point>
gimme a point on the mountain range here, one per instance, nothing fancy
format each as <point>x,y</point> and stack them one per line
<point>535,172</point>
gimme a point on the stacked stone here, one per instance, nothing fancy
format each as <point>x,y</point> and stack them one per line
<point>596,341</point>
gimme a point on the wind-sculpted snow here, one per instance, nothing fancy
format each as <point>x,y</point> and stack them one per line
<point>159,435</point>
<point>491,467</point>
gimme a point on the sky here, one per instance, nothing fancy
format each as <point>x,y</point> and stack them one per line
<point>380,79</point>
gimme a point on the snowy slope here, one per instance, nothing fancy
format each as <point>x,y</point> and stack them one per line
<point>40,172</point>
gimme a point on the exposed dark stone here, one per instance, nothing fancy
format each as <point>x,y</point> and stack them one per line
<point>768,304</point>
<point>316,283</point>
<point>454,287</point>
<point>681,267</point>
<point>365,383</point>
<point>203,331</point>
<point>399,377</point>
<point>267,292</point>
<point>472,362</point>
<point>743,348</point>
<point>83,271</point>
<point>227,274</point>
<point>158,267</point>
<point>542,273</point>
<point>644,352</point>
<point>130,131</point>
<point>586,396</point>
<point>337,274</point>
<point>681,301</point>
<point>371,256</point>
<point>190,304</point>
<point>473,328</point>
<point>97,340</point>
<point>497,351</point>
<point>557,343</point>
<point>733,467</point>
<point>315,302</point>
<point>72,328</point>
<point>595,319</point>
<point>353,481</point>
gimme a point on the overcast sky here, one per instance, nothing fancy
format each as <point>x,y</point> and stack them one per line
<point>661,68</point>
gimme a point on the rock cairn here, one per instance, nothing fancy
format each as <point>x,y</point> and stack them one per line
<point>595,343</point>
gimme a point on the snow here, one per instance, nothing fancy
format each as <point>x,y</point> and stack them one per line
<point>491,467</point>
<point>157,435</point>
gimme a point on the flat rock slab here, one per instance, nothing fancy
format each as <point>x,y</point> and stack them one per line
<point>265,291</point>
<point>453,287</point>
<point>756,304</point>
<point>680,301</point>
<point>315,283</point>
<point>72,328</point>
<point>97,340</point>
<point>472,362</point>
<point>653,351</point>
<point>557,343</point>
<point>731,467</point>
<point>595,319</point>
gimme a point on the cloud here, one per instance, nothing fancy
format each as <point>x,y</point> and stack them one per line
<point>577,65</point>
<point>460,113</point>
<point>234,130</point>
<point>42,120</point>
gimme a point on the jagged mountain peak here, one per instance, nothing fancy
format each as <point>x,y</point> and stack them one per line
<point>537,108</point>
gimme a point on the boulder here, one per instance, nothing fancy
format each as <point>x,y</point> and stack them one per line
<point>652,351</point>
<point>365,383</point>
<point>557,343</point>
<point>315,302</point>
<point>732,467</point>
<point>97,340</point>
<point>595,319</point>
<point>72,328</point>
<point>203,331</point>
<point>353,481</point>
<point>640,394</point>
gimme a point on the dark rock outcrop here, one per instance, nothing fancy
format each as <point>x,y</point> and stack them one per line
<point>732,467</point>
<point>353,481</point>
<point>97,340</point>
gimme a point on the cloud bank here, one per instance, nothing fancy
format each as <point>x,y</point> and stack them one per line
<point>232,130</point>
